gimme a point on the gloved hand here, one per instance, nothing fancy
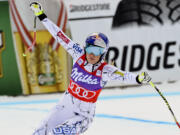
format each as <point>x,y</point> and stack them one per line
<point>37,8</point>
<point>143,78</point>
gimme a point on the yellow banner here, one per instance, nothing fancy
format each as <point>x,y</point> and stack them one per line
<point>43,69</point>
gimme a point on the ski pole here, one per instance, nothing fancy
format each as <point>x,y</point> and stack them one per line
<point>165,100</point>
<point>34,38</point>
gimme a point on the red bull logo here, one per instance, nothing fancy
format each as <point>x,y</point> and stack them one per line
<point>97,37</point>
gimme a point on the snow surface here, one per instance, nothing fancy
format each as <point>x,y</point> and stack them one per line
<point>128,111</point>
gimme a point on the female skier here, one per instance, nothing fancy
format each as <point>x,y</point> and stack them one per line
<point>76,110</point>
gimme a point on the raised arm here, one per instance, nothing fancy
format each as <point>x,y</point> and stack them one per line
<point>113,73</point>
<point>74,49</point>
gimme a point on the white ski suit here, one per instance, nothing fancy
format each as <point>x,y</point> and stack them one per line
<point>76,110</point>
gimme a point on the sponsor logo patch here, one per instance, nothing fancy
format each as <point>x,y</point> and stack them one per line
<point>77,48</point>
<point>98,73</point>
<point>63,37</point>
<point>80,61</point>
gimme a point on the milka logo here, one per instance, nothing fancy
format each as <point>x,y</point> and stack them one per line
<point>78,76</point>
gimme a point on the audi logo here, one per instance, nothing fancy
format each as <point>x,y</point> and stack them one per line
<point>81,92</point>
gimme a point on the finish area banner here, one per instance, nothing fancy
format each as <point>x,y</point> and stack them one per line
<point>43,66</point>
<point>144,34</point>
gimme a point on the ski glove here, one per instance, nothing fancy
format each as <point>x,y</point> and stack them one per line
<point>143,78</point>
<point>37,8</point>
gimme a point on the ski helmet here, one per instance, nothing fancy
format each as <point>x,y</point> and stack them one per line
<point>98,40</point>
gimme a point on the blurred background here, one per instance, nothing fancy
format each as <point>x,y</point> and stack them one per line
<point>143,34</point>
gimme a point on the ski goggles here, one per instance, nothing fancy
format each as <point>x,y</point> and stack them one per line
<point>94,50</point>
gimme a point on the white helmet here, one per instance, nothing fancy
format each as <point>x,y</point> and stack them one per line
<point>99,40</point>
